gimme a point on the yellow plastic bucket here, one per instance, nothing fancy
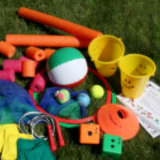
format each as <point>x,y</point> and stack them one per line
<point>106,51</point>
<point>136,70</point>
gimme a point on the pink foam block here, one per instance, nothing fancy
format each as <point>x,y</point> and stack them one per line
<point>38,83</point>
<point>8,75</point>
<point>12,64</point>
<point>23,58</point>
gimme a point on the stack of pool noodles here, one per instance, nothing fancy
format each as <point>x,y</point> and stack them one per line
<point>83,35</point>
<point>10,67</point>
<point>7,50</point>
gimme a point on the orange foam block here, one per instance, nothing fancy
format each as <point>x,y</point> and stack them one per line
<point>35,53</point>
<point>28,68</point>
<point>7,49</point>
<point>89,134</point>
<point>23,58</point>
<point>48,52</point>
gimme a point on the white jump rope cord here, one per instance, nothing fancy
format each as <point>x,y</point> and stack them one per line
<point>41,117</point>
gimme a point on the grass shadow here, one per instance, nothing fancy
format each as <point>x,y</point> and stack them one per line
<point>74,134</point>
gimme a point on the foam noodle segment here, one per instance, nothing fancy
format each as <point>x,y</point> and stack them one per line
<point>35,53</point>
<point>23,58</point>
<point>46,41</point>
<point>16,65</point>
<point>28,68</point>
<point>7,49</point>
<point>69,27</point>
<point>38,83</point>
<point>48,52</point>
<point>8,75</point>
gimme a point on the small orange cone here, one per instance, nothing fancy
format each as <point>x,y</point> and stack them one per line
<point>117,120</point>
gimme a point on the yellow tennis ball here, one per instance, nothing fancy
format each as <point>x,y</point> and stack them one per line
<point>97,91</point>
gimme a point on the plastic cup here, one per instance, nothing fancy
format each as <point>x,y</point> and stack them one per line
<point>136,70</point>
<point>106,51</point>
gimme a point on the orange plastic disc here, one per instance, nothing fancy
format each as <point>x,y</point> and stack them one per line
<point>117,120</point>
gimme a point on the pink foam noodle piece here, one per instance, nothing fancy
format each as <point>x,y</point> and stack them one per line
<point>8,75</point>
<point>23,58</point>
<point>38,83</point>
<point>16,65</point>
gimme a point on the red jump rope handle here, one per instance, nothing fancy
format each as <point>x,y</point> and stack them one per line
<point>59,134</point>
<point>51,139</point>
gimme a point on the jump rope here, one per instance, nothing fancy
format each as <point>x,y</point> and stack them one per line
<point>54,122</point>
<point>40,117</point>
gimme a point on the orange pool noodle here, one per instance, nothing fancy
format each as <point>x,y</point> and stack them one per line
<point>69,27</point>
<point>35,53</point>
<point>7,49</point>
<point>28,68</point>
<point>48,52</point>
<point>46,41</point>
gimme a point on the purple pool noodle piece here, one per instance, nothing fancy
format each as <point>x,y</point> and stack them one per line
<point>23,58</point>
<point>13,64</point>
<point>8,75</point>
<point>38,83</point>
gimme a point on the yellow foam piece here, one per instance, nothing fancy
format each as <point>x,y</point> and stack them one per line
<point>8,127</point>
<point>10,144</point>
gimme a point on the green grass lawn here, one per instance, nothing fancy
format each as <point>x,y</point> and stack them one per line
<point>136,22</point>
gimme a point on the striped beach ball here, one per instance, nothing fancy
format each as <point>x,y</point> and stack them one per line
<point>67,67</point>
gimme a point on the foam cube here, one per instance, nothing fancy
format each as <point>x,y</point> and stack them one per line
<point>89,134</point>
<point>111,146</point>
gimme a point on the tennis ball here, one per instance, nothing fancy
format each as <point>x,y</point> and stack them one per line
<point>97,91</point>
